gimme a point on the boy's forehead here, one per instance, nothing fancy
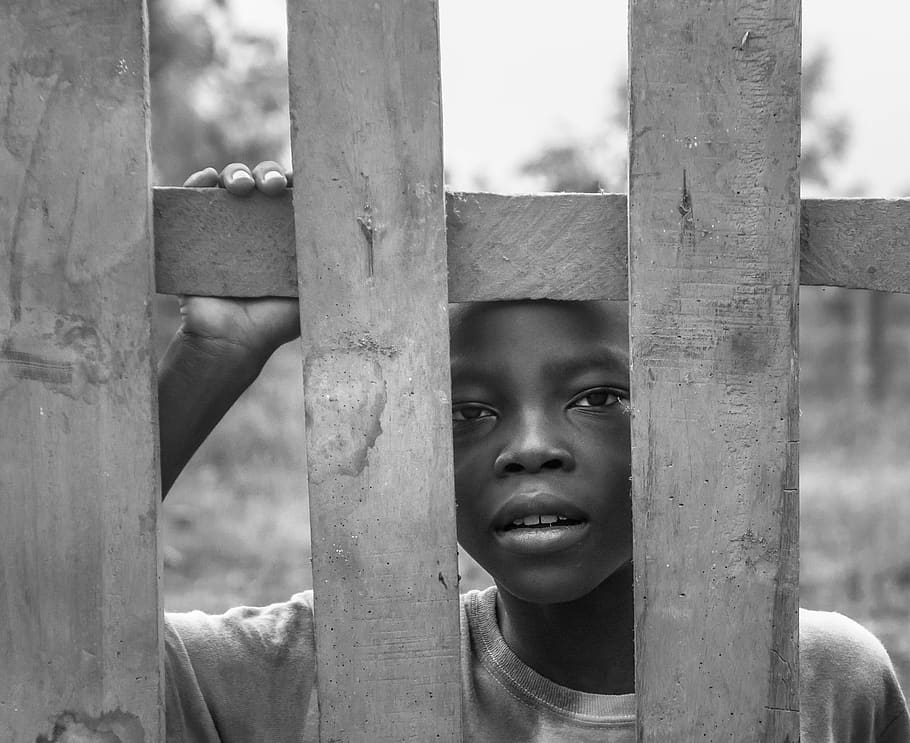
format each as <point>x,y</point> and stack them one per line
<point>609,315</point>
<point>589,326</point>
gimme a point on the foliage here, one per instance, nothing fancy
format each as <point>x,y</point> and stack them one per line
<point>825,137</point>
<point>565,168</point>
<point>219,94</point>
<point>599,163</point>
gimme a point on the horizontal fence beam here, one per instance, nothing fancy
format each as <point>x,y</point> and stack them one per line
<point>562,246</point>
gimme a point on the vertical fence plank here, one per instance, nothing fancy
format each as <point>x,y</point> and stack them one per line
<point>713,220</point>
<point>370,225</point>
<point>79,638</point>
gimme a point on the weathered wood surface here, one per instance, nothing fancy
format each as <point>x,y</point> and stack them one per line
<point>566,246</point>
<point>212,243</point>
<point>856,243</point>
<point>367,143</point>
<point>713,223</point>
<point>79,634</point>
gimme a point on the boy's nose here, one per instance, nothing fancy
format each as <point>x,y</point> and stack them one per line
<point>531,452</point>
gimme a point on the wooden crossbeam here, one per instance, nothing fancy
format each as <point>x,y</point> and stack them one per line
<point>563,246</point>
<point>80,648</point>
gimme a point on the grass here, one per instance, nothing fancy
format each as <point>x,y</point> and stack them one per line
<point>236,528</point>
<point>855,527</point>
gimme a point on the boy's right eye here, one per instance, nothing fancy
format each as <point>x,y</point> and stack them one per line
<point>470,412</point>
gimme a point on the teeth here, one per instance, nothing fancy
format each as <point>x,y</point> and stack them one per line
<point>545,519</point>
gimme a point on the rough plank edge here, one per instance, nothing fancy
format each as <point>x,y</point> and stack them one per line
<point>370,240</point>
<point>81,639</point>
<point>209,242</point>
<point>714,259</point>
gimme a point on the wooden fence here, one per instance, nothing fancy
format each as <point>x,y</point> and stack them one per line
<point>709,248</point>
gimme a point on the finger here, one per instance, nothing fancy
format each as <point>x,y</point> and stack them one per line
<point>237,179</point>
<point>290,177</point>
<point>207,178</point>
<point>270,178</point>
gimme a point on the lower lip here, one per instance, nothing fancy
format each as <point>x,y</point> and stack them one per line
<point>542,540</point>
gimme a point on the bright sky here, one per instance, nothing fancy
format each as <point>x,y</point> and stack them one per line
<point>518,74</point>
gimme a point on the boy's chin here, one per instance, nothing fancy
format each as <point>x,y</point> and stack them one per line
<point>550,587</point>
<point>544,596</point>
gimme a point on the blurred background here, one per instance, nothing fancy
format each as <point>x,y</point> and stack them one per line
<point>534,100</point>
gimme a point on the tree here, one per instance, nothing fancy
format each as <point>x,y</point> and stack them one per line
<point>824,137</point>
<point>592,166</point>
<point>219,93</point>
<point>599,163</point>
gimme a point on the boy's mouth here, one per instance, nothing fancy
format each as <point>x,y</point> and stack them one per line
<point>537,509</point>
<point>541,521</point>
<point>542,538</point>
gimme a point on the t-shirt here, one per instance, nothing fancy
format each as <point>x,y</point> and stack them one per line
<point>249,675</point>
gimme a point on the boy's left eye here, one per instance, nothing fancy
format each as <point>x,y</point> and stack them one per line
<point>467,412</point>
<point>599,398</point>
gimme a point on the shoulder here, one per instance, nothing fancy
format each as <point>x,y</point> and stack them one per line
<point>264,631</point>
<point>847,680</point>
<point>837,653</point>
<point>829,637</point>
<point>243,675</point>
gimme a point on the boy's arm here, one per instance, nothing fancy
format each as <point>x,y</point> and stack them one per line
<point>199,378</point>
<point>220,347</point>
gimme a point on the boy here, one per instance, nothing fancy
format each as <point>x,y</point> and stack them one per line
<point>541,436</point>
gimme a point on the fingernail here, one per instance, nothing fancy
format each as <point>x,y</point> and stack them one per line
<point>272,175</point>
<point>241,175</point>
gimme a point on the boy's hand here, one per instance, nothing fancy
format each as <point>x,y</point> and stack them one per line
<point>222,343</point>
<point>268,177</point>
<point>255,326</point>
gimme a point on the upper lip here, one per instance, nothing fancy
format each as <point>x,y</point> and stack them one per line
<point>535,503</point>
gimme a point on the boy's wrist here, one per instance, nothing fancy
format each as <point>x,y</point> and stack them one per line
<point>199,378</point>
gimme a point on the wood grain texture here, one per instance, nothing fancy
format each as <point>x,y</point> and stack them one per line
<point>212,243</point>
<point>563,246</point>
<point>79,634</point>
<point>566,246</point>
<point>367,143</point>
<point>856,243</point>
<point>713,226</point>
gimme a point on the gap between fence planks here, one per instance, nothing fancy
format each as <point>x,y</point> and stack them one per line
<point>367,143</point>
<point>562,246</point>
<point>80,646</point>
<point>713,260</point>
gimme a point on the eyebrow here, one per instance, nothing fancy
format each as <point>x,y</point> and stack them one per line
<point>605,357</point>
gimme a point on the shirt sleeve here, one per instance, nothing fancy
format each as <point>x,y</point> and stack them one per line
<point>848,688</point>
<point>246,675</point>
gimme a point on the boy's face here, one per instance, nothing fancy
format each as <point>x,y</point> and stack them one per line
<point>541,430</point>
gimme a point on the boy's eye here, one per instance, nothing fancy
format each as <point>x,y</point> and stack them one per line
<point>468,412</point>
<point>599,398</point>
